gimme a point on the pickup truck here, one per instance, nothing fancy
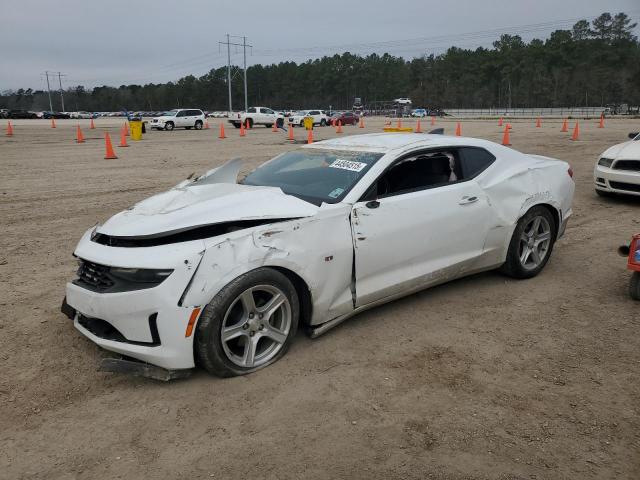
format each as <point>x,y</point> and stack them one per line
<point>257,116</point>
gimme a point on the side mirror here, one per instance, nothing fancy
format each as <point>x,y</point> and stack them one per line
<point>633,135</point>
<point>372,204</point>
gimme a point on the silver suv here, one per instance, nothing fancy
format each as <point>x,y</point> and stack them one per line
<point>179,118</point>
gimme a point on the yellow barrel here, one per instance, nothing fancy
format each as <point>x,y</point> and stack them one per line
<point>136,129</point>
<point>308,123</point>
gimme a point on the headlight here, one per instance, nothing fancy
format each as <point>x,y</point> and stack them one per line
<point>605,162</point>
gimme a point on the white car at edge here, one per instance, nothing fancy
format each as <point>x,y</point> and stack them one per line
<point>221,274</point>
<point>319,117</point>
<point>618,168</point>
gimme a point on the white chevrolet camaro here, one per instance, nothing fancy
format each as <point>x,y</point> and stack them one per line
<point>618,168</point>
<point>221,274</point>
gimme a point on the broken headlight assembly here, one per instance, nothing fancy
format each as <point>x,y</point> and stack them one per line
<point>105,279</point>
<point>605,162</point>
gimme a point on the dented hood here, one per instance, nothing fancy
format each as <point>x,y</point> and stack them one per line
<point>194,205</point>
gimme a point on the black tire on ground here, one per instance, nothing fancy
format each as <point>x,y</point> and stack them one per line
<point>302,123</point>
<point>198,125</point>
<point>268,125</point>
<point>236,124</point>
<point>604,194</point>
<point>323,123</point>
<point>209,351</point>
<point>169,126</point>
<point>512,266</point>
<point>280,123</point>
<point>250,122</point>
<point>634,286</point>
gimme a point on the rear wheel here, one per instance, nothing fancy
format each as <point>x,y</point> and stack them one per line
<point>634,286</point>
<point>531,244</point>
<point>248,325</point>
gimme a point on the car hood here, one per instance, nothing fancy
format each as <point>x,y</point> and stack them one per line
<point>194,205</point>
<point>627,150</point>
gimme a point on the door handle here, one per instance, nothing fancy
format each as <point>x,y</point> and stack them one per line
<point>467,200</point>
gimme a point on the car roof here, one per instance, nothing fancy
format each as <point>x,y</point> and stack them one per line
<point>385,142</point>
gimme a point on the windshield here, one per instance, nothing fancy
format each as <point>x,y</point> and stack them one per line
<point>302,113</point>
<point>314,175</point>
<point>170,113</point>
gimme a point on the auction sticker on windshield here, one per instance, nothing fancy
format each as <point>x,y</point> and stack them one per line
<point>348,165</point>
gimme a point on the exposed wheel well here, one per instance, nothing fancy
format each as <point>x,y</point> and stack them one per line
<point>304,294</point>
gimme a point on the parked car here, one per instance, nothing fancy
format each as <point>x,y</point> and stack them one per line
<point>632,253</point>
<point>347,118</point>
<point>617,171</point>
<point>319,117</point>
<point>20,114</point>
<point>257,116</point>
<point>222,274</point>
<point>56,115</point>
<point>4,113</point>
<point>402,101</point>
<point>419,113</point>
<point>186,118</point>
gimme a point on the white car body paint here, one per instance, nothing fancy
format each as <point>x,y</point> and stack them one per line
<point>349,256</point>
<point>625,180</point>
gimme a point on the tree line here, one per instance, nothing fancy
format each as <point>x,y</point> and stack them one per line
<point>592,64</point>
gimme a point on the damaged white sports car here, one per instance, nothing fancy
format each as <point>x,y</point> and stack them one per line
<point>221,274</point>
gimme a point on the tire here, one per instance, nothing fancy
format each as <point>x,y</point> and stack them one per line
<point>268,125</point>
<point>634,286</point>
<point>532,243</point>
<point>236,124</point>
<point>169,126</point>
<point>230,310</point>
<point>302,123</point>
<point>198,125</point>
<point>250,121</point>
<point>280,123</point>
<point>323,123</point>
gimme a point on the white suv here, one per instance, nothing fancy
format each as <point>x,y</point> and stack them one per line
<point>319,117</point>
<point>183,118</point>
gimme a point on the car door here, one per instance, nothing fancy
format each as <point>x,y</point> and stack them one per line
<point>180,118</point>
<point>418,226</point>
<point>269,116</point>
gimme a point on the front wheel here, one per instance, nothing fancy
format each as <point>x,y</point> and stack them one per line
<point>531,244</point>
<point>169,126</point>
<point>248,325</point>
<point>634,286</point>
<point>323,123</point>
<point>198,125</point>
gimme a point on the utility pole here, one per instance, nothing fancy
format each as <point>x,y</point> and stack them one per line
<point>244,46</point>
<point>61,95</point>
<point>49,91</point>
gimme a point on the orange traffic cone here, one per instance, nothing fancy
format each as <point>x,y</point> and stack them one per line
<point>290,138</point>
<point>361,123</point>
<point>505,138</point>
<point>310,136</point>
<point>109,153</point>
<point>53,122</point>
<point>222,135</point>
<point>79,136</point>
<point>399,125</point>
<point>576,132</point>
<point>538,123</point>
<point>601,124</point>
<point>339,129</point>
<point>126,128</point>
<point>123,138</point>
<point>418,127</point>
<point>242,130</point>
<point>509,126</point>
<point>91,125</point>
<point>274,127</point>
<point>206,125</point>
<point>458,130</point>
<point>433,120</point>
<point>565,126</point>
<point>248,126</point>
<point>9,130</point>
<point>500,122</point>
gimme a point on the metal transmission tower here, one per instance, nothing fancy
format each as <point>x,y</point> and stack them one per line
<point>244,46</point>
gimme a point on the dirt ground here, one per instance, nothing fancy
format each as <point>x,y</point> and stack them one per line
<point>482,378</point>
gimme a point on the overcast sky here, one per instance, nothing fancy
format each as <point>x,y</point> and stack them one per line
<point>116,42</point>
